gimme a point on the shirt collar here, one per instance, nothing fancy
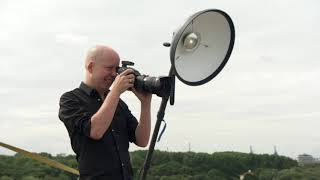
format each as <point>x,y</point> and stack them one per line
<point>87,89</point>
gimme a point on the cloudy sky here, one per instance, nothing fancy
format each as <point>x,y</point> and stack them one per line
<point>266,96</point>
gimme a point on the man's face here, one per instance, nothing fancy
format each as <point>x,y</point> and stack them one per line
<point>104,71</point>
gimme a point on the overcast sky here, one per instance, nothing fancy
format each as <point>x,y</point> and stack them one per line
<point>267,95</point>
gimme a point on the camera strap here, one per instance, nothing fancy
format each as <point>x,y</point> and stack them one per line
<point>163,129</point>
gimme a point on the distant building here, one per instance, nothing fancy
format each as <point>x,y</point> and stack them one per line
<point>251,151</point>
<point>306,159</point>
<point>275,152</point>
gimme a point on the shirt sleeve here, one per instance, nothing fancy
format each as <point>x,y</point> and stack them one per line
<point>132,122</point>
<point>74,115</point>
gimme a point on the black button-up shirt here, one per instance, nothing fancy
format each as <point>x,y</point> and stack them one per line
<point>107,158</point>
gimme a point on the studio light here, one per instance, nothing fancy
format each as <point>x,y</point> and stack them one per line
<point>202,46</point>
<point>199,51</point>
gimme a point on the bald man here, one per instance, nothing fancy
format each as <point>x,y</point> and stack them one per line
<point>99,123</point>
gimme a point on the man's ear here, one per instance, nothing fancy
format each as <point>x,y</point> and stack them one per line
<point>90,67</point>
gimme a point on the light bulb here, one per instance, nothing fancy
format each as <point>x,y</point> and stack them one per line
<point>191,41</point>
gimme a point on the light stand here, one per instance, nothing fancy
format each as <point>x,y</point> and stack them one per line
<point>199,51</point>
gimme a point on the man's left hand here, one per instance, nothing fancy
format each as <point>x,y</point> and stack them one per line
<point>144,97</point>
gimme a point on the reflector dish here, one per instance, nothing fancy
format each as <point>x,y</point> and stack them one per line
<point>202,46</point>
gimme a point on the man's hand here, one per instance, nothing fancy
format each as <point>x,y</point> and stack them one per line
<point>123,81</point>
<point>144,97</point>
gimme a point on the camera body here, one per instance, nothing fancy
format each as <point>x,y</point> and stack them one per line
<point>160,86</point>
<point>124,67</point>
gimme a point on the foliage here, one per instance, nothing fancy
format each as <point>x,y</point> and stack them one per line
<point>172,166</point>
<point>19,167</point>
<point>219,165</point>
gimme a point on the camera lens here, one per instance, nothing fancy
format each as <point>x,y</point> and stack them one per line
<point>155,85</point>
<point>143,83</point>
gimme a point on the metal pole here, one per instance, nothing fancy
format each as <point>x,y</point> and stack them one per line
<point>154,137</point>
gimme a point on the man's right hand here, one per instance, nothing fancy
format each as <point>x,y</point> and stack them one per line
<point>123,81</point>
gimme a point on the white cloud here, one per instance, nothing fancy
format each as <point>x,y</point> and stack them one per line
<point>71,38</point>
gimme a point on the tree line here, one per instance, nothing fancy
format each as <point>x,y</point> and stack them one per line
<point>172,166</point>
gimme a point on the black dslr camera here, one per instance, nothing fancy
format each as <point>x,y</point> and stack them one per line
<point>160,86</point>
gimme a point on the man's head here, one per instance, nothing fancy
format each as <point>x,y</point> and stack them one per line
<point>101,67</point>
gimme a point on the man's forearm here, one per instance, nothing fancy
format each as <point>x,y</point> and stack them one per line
<point>143,129</point>
<point>102,119</point>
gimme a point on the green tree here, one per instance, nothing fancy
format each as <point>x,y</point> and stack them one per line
<point>29,178</point>
<point>5,178</point>
<point>216,174</point>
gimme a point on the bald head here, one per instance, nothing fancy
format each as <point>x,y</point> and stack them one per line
<point>98,53</point>
<point>101,67</point>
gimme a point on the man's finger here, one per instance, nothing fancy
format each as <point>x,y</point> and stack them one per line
<point>131,76</point>
<point>126,72</point>
<point>130,86</point>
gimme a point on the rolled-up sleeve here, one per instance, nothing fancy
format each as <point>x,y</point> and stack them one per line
<point>74,115</point>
